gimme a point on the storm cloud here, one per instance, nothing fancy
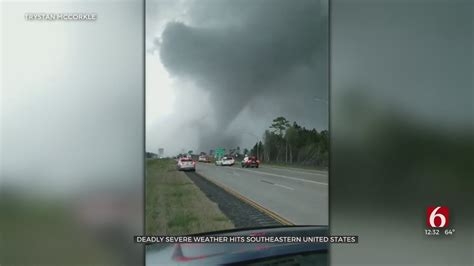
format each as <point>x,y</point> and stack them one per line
<point>249,54</point>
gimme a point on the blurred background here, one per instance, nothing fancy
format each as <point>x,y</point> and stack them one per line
<point>401,129</point>
<point>72,128</point>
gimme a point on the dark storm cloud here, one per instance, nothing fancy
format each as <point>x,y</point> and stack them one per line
<point>256,44</point>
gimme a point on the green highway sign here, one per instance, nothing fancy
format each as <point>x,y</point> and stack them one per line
<point>219,152</point>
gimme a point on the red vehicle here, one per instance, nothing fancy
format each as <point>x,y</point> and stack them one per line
<point>250,161</point>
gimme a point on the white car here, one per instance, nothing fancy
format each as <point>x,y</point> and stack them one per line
<point>186,164</point>
<point>226,161</point>
<point>203,158</point>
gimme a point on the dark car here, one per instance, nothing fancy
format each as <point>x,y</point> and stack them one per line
<point>250,162</point>
<point>294,253</point>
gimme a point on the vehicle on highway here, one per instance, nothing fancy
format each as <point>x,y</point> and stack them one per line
<point>204,159</point>
<point>250,161</point>
<point>275,253</point>
<point>186,164</point>
<point>225,161</point>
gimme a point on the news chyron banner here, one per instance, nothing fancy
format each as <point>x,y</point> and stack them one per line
<point>246,239</point>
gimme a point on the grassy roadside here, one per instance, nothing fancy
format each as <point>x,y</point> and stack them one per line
<point>175,206</point>
<point>301,166</point>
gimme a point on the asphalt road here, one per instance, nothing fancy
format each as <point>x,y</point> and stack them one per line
<point>298,195</point>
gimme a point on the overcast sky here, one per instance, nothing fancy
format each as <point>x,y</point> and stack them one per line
<point>219,71</point>
<point>71,95</point>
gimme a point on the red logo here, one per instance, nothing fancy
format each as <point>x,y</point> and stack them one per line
<point>437,216</point>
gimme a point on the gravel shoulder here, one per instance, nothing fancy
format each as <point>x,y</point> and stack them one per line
<point>239,212</point>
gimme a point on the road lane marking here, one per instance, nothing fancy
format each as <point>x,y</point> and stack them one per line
<point>275,184</point>
<point>283,186</point>
<point>309,172</point>
<point>292,169</point>
<point>284,176</point>
<point>277,175</point>
<point>249,201</point>
<point>268,182</point>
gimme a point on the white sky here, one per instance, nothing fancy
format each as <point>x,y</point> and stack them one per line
<point>166,114</point>
<point>69,96</point>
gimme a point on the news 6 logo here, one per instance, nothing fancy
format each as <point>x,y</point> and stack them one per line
<point>437,217</point>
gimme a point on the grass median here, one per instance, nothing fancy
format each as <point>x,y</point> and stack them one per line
<point>176,206</point>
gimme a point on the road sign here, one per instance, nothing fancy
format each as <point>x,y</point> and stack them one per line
<point>219,152</point>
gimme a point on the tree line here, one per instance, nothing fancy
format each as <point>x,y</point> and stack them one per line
<point>291,143</point>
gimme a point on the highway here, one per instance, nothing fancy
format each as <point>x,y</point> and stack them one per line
<point>298,195</point>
